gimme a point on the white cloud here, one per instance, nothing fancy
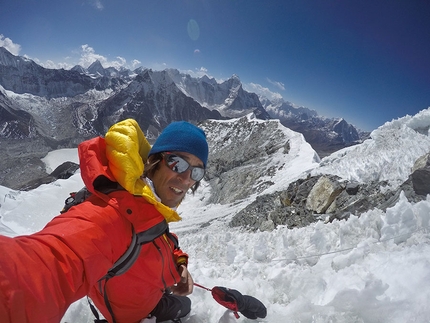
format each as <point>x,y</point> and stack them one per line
<point>120,62</point>
<point>9,45</point>
<point>97,4</point>
<point>51,64</point>
<point>279,85</point>
<point>202,70</point>
<point>85,57</point>
<point>89,56</point>
<point>261,91</point>
<point>156,66</point>
<point>198,72</point>
<point>135,64</point>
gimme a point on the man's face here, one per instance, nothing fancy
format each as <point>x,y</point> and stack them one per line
<point>170,186</point>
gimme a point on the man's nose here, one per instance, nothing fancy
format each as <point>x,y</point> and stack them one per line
<point>186,176</point>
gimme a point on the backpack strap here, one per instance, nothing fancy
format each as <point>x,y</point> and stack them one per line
<point>75,198</point>
<point>80,196</point>
<point>127,260</point>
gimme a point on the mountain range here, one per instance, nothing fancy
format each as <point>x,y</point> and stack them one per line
<point>45,109</point>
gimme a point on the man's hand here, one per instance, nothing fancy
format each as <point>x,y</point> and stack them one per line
<point>186,285</point>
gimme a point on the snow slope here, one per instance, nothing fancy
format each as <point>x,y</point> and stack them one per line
<point>372,268</point>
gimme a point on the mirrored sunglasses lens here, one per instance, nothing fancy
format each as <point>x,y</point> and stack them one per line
<point>180,165</point>
<point>197,174</point>
<point>177,164</point>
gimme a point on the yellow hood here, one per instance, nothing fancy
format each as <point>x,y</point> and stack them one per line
<point>127,151</point>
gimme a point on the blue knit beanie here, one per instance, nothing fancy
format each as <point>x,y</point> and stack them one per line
<point>182,136</point>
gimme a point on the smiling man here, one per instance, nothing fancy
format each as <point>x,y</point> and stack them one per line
<point>183,149</point>
<point>134,189</point>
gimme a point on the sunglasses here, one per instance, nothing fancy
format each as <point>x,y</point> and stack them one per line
<point>180,165</point>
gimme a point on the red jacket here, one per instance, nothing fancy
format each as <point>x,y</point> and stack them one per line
<point>43,273</point>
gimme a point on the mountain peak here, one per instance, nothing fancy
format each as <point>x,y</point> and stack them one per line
<point>96,68</point>
<point>79,69</point>
<point>96,63</point>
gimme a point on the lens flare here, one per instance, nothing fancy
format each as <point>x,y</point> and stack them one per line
<point>193,29</point>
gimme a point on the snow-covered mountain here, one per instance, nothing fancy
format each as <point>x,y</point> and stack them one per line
<point>77,87</point>
<point>96,70</point>
<point>21,75</point>
<point>60,108</point>
<point>153,99</point>
<point>325,134</point>
<point>89,100</point>
<point>228,97</point>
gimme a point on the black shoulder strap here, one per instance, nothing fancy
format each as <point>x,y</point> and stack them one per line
<point>75,198</point>
<point>127,260</point>
<point>80,196</point>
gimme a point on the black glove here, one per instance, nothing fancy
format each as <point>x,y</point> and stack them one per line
<point>253,308</point>
<point>249,306</point>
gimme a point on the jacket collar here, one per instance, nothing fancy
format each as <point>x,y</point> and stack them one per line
<point>120,157</point>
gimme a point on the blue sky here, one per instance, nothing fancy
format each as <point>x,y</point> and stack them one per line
<point>367,61</point>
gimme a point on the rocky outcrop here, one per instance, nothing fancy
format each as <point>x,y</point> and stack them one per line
<point>64,171</point>
<point>329,198</point>
<point>322,194</point>
<point>420,176</point>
